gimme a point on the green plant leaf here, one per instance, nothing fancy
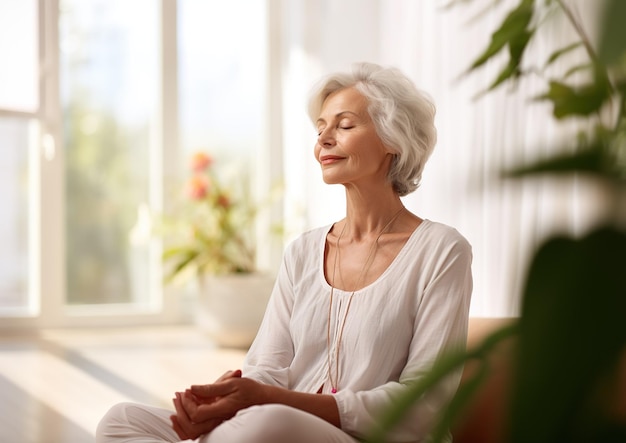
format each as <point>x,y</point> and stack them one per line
<point>592,160</point>
<point>187,259</point>
<point>578,68</point>
<point>516,50</point>
<point>569,101</point>
<point>442,368</point>
<point>174,251</point>
<point>512,32</point>
<point>571,337</point>
<point>560,52</point>
<point>613,32</point>
<point>462,397</point>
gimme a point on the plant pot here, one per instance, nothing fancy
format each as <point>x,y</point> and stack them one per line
<point>231,307</point>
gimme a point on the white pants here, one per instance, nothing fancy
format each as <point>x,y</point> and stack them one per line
<point>130,422</point>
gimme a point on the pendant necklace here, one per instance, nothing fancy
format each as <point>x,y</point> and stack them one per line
<point>334,378</point>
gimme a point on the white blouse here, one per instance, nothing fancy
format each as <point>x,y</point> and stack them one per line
<point>395,328</point>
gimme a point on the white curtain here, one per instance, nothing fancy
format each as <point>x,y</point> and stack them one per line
<point>503,220</point>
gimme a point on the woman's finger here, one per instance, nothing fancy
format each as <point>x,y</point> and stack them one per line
<point>188,423</point>
<point>181,422</point>
<point>178,428</point>
<point>230,374</point>
<point>214,390</point>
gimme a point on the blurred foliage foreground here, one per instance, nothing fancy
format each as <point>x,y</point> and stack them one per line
<point>570,354</point>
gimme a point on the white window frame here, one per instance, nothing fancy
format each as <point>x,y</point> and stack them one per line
<point>47,207</point>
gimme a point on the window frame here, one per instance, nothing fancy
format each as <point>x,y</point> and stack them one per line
<point>47,297</point>
<point>47,273</point>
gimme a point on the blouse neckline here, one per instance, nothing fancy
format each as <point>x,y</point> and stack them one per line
<point>403,251</point>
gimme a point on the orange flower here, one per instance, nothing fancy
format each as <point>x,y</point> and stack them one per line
<point>197,187</point>
<point>200,161</point>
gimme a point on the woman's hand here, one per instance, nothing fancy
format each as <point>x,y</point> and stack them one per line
<point>183,425</point>
<point>202,408</point>
<point>224,399</point>
<point>187,422</point>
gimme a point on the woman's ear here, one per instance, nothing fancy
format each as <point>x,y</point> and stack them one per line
<point>390,150</point>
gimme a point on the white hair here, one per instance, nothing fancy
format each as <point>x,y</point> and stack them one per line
<point>402,115</point>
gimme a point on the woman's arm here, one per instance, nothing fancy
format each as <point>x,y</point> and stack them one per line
<point>440,325</point>
<point>203,407</point>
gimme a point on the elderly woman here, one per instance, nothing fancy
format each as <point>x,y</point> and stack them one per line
<point>360,308</point>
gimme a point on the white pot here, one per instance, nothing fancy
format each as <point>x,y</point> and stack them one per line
<point>231,307</point>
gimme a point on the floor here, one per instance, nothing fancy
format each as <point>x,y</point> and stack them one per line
<point>56,384</point>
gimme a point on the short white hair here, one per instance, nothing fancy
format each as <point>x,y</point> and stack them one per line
<point>404,117</point>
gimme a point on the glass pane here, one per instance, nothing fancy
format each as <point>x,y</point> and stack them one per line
<point>15,175</point>
<point>222,60</point>
<point>109,66</point>
<point>19,53</point>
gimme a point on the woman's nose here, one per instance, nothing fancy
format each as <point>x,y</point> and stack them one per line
<point>326,138</point>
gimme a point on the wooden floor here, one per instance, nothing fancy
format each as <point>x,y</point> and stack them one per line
<point>55,385</point>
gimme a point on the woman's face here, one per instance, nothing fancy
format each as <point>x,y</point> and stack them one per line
<point>348,147</point>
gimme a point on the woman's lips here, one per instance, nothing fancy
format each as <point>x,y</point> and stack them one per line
<point>329,159</point>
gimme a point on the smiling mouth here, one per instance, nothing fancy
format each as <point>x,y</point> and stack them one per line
<point>329,159</point>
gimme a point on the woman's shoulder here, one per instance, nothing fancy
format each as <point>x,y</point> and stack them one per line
<point>442,234</point>
<point>308,240</point>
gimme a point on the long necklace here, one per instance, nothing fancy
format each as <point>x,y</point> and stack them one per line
<point>334,381</point>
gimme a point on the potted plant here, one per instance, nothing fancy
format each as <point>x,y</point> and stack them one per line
<point>570,343</point>
<point>210,242</point>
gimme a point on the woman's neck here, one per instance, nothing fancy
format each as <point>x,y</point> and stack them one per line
<point>369,218</point>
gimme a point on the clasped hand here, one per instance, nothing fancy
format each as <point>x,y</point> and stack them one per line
<point>201,408</point>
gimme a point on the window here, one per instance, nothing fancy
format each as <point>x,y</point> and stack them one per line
<point>89,132</point>
<point>109,71</point>
<point>19,103</point>
<point>16,174</point>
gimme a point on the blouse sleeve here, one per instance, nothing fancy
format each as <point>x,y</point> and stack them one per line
<point>440,324</point>
<point>271,353</point>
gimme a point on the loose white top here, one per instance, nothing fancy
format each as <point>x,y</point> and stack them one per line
<point>395,329</point>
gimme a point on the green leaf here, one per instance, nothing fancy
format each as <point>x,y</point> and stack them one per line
<point>558,53</point>
<point>593,160</point>
<point>574,69</point>
<point>174,251</point>
<point>570,101</point>
<point>188,258</point>
<point>462,397</point>
<point>512,32</point>
<point>571,337</point>
<point>613,32</point>
<point>516,50</point>
<point>442,368</point>
<point>507,72</point>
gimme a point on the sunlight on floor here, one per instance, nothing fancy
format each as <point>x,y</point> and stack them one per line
<point>55,385</point>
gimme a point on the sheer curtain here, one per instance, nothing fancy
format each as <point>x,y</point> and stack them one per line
<point>478,138</point>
